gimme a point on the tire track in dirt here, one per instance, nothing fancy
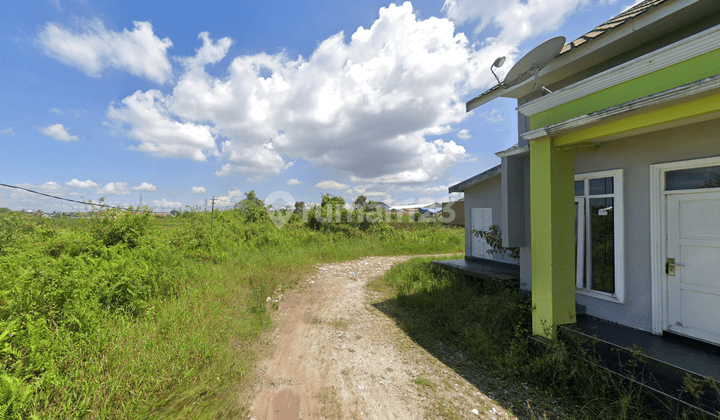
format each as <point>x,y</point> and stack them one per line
<point>336,356</point>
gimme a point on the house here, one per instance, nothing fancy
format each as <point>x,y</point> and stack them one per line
<point>454,213</point>
<point>613,190</point>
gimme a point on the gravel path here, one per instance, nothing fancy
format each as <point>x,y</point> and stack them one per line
<point>338,356</point>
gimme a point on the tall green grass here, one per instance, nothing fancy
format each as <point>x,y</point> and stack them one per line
<point>488,322</point>
<point>125,316</point>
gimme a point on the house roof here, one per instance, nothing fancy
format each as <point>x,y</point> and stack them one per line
<point>460,187</point>
<point>610,25</point>
<point>415,206</point>
<point>580,44</point>
<point>516,149</point>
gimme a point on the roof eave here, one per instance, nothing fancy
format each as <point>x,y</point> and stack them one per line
<point>484,176</point>
<point>514,152</point>
<point>554,71</point>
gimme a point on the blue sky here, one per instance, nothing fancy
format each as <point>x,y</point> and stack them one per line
<point>181,101</point>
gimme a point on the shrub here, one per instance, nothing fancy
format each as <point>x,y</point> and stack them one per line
<point>114,226</point>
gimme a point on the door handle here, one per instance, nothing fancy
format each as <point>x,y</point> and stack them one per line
<point>670,266</point>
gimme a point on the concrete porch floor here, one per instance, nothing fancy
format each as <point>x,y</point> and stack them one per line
<point>663,362</point>
<point>482,268</point>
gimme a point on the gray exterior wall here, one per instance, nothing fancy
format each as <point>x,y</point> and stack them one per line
<point>635,155</point>
<point>484,194</point>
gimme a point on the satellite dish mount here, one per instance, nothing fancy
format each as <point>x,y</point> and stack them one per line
<point>530,65</point>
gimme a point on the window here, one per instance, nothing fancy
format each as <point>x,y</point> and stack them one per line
<point>599,225</point>
<point>693,178</point>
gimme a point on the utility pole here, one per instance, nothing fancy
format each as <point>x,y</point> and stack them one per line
<point>212,215</point>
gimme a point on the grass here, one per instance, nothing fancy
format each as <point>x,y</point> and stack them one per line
<point>480,327</point>
<point>425,383</point>
<point>125,316</point>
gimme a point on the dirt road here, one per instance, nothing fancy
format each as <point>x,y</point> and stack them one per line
<point>337,356</point>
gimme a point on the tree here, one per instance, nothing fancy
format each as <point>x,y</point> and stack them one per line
<point>360,201</point>
<point>328,199</point>
<point>252,207</point>
<point>299,207</point>
<point>251,197</point>
<point>250,200</point>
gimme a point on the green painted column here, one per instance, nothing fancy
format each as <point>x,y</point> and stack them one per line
<point>552,224</point>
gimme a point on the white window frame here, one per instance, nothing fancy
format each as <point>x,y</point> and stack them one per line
<point>618,235</point>
<point>580,261</point>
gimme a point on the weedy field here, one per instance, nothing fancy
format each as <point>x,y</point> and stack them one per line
<point>125,316</point>
<point>480,329</point>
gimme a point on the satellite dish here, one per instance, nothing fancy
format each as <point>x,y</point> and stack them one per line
<point>532,62</point>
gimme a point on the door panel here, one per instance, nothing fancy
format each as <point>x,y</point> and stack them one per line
<point>701,265</point>
<point>694,223</point>
<point>481,220</point>
<point>700,320</point>
<point>693,239</point>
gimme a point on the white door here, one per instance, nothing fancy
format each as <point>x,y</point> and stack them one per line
<point>693,241</point>
<point>481,220</point>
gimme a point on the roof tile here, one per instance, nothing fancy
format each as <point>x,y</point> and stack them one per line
<point>614,22</point>
<point>608,25</point>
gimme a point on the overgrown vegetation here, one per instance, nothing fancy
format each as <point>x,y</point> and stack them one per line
<point>482,326</point>
<point>493,236</point>
<point>125,316</point>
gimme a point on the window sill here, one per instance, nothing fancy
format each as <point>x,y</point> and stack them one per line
<point>599,295</point>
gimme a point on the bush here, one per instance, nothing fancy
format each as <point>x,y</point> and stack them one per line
<point>114,226</point>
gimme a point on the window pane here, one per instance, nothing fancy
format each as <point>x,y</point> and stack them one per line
<point>690,179</point>
<point>602,241</point>
<point>579,188</point>
<point>601,186</point>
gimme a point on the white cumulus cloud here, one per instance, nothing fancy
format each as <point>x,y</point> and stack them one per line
<point>518,20</point>
<point>144,187</point>
<point>370,105</point>
<point>464,134</point>
<point>493,116</point>
<point>94,48</point>
<point>362,106</point>
<point>331,185</point>
<point>228,200</point>
<point>148,119</point>
<point>166,204</point>
<point>49,187</point>
<point>8,131</point>
<point>293,181</point>
<point>58,132</point>
<point>81,184</point>
<point>114,188</point>
<point>197,190</point>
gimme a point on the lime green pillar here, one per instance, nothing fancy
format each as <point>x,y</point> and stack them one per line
<point>552,206</point>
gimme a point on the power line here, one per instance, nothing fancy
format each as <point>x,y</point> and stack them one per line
<point>62,198</point>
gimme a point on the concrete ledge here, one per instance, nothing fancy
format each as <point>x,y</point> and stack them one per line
<point>482,268</point>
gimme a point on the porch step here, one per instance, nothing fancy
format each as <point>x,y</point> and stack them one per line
<point>482,268</point>
<point>661,365</point>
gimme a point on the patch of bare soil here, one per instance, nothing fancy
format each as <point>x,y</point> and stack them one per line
<point>337,356</point>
